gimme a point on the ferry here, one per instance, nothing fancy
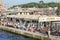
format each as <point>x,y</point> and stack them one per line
<point>47,25</point>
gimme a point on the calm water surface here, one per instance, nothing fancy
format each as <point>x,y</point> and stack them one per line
<point>9,36</point>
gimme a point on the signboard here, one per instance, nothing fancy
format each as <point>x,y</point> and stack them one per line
<point>49,19</point>
<point>57,18</point>
<point>42,19</point>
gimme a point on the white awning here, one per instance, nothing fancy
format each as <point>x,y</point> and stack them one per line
<point>32,17</point>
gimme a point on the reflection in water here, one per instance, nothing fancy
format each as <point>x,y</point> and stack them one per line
<point>10,36</point>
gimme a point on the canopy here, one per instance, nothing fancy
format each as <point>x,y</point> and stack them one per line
<point>32,17</point>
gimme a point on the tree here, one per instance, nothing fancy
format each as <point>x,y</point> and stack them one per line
<point>58,10</point>
<point>41,2</point>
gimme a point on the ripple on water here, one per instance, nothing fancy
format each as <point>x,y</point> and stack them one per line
<point>10,36</point>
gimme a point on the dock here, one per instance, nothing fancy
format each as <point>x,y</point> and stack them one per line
<point>28,34</point>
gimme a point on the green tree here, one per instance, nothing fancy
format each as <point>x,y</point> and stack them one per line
<point>41,2</point>
<point>58,10</point>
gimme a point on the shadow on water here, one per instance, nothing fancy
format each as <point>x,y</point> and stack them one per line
<point>9,36</point>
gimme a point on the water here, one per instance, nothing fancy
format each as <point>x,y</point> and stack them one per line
<point>9,36</point>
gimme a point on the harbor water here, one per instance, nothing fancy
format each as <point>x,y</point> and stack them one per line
<point>9,36</point>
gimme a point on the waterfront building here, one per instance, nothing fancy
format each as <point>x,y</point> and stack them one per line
<point>35,11</point>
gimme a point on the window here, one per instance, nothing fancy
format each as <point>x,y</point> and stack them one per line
<point>20,12</point>
<point>31,13</point>
<point>56,25</point>
<point>17,20</point>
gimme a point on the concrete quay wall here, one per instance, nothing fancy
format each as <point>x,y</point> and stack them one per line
<point>25,33</point>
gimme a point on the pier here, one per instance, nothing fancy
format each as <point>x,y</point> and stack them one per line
<point>28,34</point>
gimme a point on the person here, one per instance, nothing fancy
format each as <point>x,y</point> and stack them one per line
<point>28,27</point>
<point>14,24</point>
<point>32,28</point>
<point>25,24</point>
<point>59,33</point>
<point>0,21</point>
<point>5,23</point>
<point>35,28</point>
<point>49,32</point>
<point>44,30</point>
<point>39,29</point>
<point>17,24</point>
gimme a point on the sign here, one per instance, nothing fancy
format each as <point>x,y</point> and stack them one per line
<point>57,18</point>
<point>49,19</point>
<point>42,19</point>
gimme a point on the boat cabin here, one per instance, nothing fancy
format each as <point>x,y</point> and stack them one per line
<point>50,23</point>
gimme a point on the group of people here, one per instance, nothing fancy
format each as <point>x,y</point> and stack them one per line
<point>32,27</point>
<point>26,26</point>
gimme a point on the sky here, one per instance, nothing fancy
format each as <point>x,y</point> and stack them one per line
<point>8,3</point>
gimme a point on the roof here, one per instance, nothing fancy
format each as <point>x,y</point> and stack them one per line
<point>12,16</point>
<point>40,18</point>
<point>26,11</point>
<point>13,13</point>
<point>33,17</point>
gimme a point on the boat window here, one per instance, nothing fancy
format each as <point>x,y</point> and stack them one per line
<point>17,20</point>
<point>31,13</point>
<point>43,24</point>
<point>9,19</point>
<point>14,20</point>
<point>20,12</point>
<point>56,25</point>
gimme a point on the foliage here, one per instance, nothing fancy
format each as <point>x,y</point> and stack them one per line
<point>41,4</point>
<point>58,10</point>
